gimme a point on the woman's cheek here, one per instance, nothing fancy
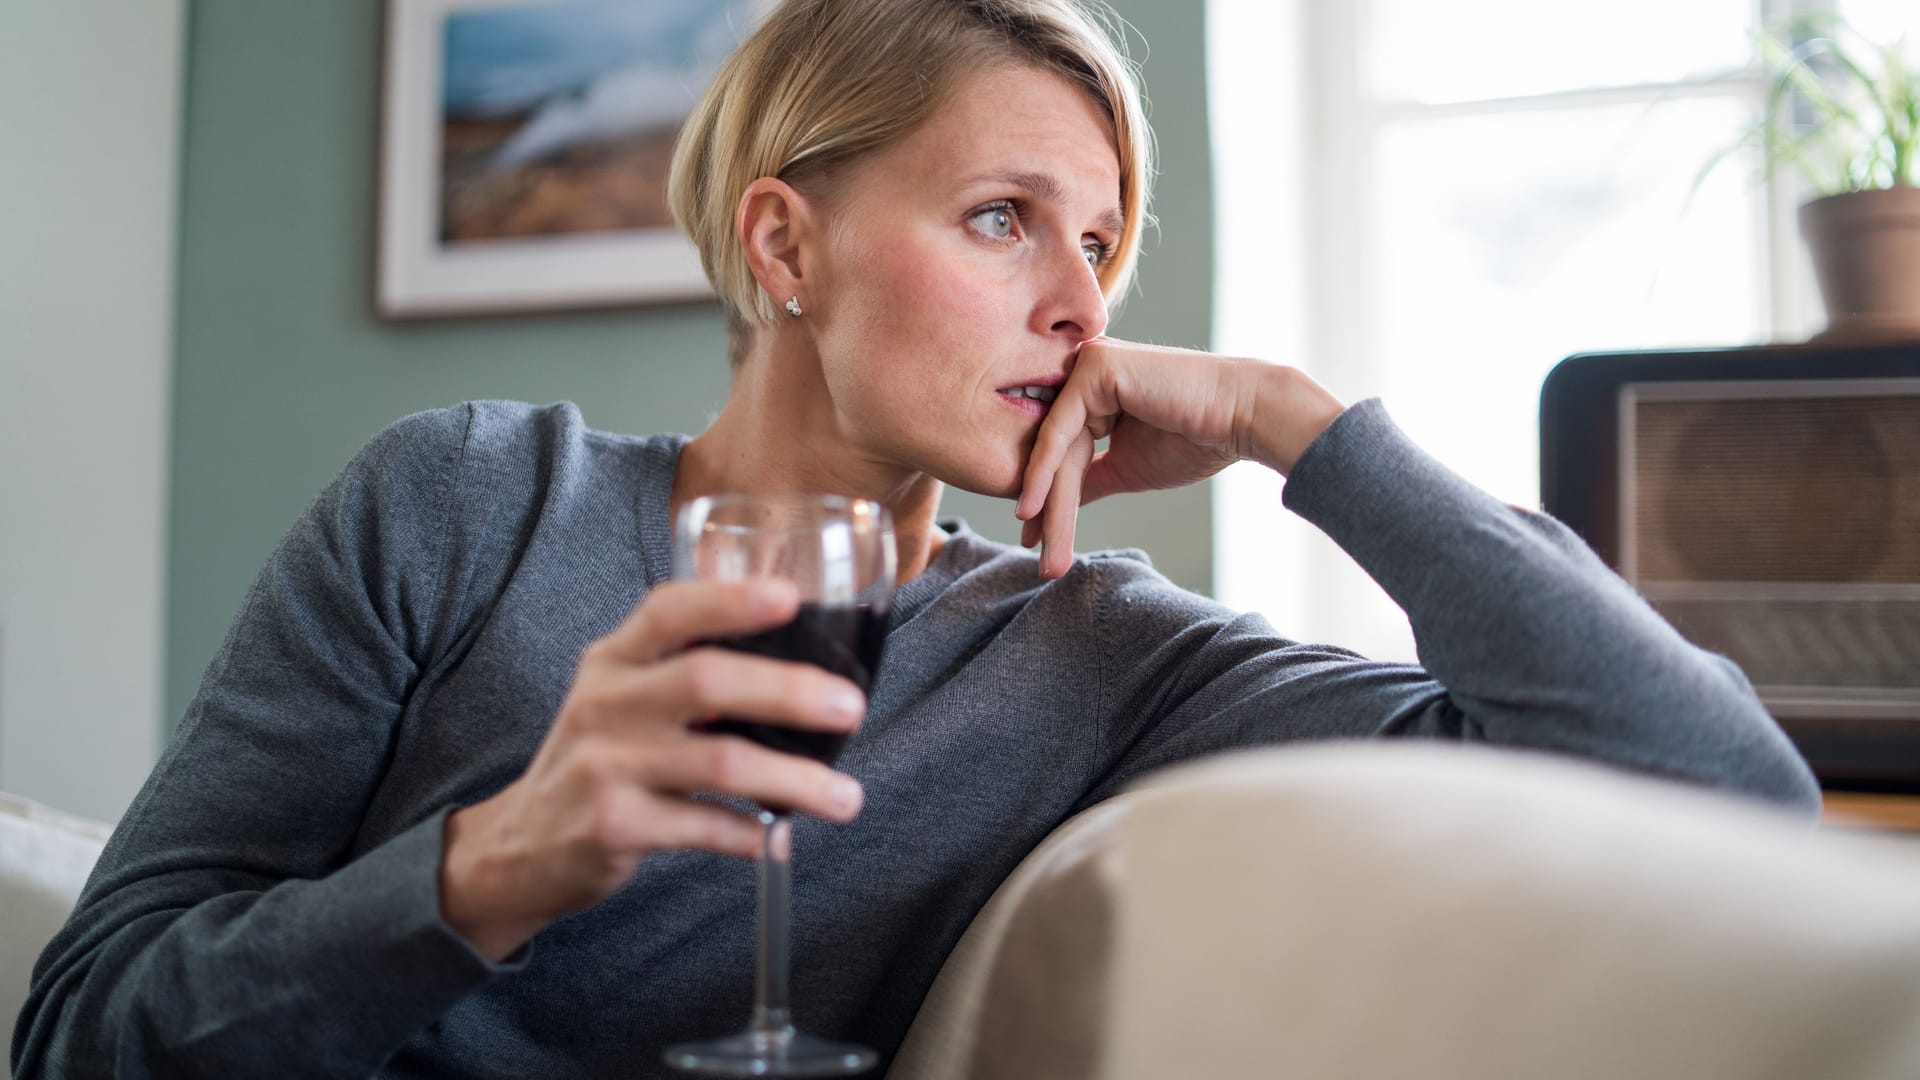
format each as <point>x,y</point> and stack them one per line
<point>943,296</point>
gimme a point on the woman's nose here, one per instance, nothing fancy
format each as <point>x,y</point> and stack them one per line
<point>1073,305</point>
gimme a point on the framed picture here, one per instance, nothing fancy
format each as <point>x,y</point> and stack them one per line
<point>525,147</point>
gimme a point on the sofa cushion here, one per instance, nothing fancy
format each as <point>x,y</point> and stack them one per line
<point>1434,910</point>
<point>45,857</point>
<point>1040,948</point>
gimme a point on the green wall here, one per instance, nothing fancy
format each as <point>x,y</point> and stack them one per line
<point>282,371</point>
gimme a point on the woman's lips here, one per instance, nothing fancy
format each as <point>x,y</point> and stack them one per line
<point>1033,407</point>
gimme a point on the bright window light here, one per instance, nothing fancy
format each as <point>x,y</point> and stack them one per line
<point>1435,204</point>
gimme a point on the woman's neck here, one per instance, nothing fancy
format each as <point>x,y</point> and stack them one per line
<point>778,433</point>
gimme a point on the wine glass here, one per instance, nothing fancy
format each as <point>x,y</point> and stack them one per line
<point>839,553</point>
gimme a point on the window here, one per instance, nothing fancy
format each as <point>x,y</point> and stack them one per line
<point>1436,203</point>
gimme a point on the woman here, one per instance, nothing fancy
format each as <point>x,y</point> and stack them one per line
<point>432,811</point>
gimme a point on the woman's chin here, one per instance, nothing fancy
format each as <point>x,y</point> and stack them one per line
<point>995,480</point>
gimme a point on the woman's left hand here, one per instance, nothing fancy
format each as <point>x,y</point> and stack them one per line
<point>1175,417</point>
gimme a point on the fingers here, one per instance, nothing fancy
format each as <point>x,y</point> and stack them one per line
<point>676,614</point>
<point>792,694</point>
<point>1062,509</point>
<point>1090,401</point>
<point>635,820</point>
<point>734,766</point>
<point>705,682</point>
<point>1100,480</point>
<point>1066,421</point>
<point>1097,483</point>
<point>684,823</point>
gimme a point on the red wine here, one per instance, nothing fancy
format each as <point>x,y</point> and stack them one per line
<point>845,639</point>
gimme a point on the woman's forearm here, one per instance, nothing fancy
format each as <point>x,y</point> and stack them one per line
<point>208,971</point>
<point>1537,642</point>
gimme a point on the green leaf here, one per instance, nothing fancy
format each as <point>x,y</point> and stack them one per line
<point>1867,82</point>
<point>1903,111</point>
<point>1791,151</point>
<point>1861,125</point>
<point>1748,138</point>
<point>1873,144</point>
<point>1816,93</point>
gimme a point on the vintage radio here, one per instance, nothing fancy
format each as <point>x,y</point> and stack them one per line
<point>1766,501</point>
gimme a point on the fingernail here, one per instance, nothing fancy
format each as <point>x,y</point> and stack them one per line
<point>847,794</point>
<point>771,596</point>
<point>848,703</point>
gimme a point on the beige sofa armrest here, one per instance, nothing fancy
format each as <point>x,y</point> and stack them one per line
<point>45,857</point>
<point>1432,910</point>
<point>1039,949</point>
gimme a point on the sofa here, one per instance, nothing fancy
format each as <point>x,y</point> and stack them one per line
<point>1380,909</point>
<point>45,857</point>
<point>1437,911</point>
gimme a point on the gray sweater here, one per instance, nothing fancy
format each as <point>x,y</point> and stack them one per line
<point>268,906</point>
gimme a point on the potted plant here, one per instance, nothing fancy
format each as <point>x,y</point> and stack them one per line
<point>1845,113</point>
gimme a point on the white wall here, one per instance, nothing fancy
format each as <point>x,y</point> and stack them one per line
<point>89,153</point>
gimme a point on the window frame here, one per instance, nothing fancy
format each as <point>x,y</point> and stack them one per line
<point>1309,305</point>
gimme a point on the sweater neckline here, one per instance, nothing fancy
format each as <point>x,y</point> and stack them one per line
<point>656,524</point>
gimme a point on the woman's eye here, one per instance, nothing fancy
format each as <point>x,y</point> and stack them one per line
<point>1093,254</point>
<point>994,221</point>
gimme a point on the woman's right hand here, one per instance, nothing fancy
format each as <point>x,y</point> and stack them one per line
<point>612,782</point>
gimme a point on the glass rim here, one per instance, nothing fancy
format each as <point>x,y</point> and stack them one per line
<point>850,505</point>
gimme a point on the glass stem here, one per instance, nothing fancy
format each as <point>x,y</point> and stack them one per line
<point>770,1012</point>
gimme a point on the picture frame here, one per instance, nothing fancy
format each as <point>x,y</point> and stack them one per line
<point>524,147</point>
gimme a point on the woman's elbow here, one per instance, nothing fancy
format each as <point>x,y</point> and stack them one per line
<point>1766,764</point>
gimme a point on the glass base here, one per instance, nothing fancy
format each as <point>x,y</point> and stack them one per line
<point>777,1052</point>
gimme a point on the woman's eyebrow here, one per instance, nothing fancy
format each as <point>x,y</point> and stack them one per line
<point>1046,187</point>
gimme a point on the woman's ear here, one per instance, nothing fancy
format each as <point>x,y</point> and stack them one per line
<point>771,226</point>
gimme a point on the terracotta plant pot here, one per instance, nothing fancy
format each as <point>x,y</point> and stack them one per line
<point>1866,254</point>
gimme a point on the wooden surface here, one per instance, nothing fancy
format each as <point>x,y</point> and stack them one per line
<point>1858,810</point>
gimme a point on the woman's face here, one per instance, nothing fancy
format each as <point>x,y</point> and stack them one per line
<point>958,268</point>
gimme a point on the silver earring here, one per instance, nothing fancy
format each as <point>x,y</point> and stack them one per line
<point>793,307</point>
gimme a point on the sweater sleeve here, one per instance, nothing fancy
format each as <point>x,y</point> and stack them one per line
<point>228,929</point>
<point>1526,639</point>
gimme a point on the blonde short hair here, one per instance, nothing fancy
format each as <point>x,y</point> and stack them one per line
<point>824,81</point>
